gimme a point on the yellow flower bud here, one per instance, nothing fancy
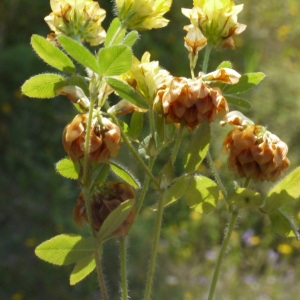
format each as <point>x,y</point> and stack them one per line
<point>78,19</point>
<point>143,15</point>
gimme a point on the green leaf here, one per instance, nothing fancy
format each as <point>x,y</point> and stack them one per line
<point>65,249</point>
<point>225,64</point>
<point>243,198</point>
<point>127,92</point>
<point>51,54</point>
<point>79,53</point>
<point>177,189</point>
<point>246,82</point>
<point>237,101</point>
<point>114,35</point>
<point>284,224</point>
<point>124,174</point>
<point>43,85</point>
<point>67,168</point>
<point>136,124</point>
<point>197,148</point>
<point>166,175</point>
<point>80,82</point>
<point>82,269</point>
<point>100,173</point>
<point>115,219</point>
<point>114,60</point>
<point>287,190</point>
<point>130,38</point>
<point>202,194</point>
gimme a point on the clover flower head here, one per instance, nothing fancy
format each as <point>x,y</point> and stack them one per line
<point>78,19</point>
<point>143,15</point>
<point>217,20</point>
<point>254,152</point>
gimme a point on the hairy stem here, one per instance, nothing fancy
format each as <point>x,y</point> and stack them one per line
<point>158,223</point>
<point>208,49</point>
<point>123,249</point>
<point>228,232</point>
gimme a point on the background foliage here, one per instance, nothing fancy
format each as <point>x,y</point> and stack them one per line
<point>37,204</point>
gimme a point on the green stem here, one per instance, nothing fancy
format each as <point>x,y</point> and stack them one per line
<point>216,174</point>
<point>158,223</point>
<point>177,143</point>
<point>228,232</point>
<point>208,49</point>
<point>123,248</point>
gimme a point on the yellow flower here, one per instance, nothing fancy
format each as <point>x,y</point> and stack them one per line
<point>79,19</point>
<point>143,15</point>
<point>217,19</point>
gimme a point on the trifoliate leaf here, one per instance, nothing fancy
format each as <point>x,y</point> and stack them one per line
<point>124,174</point>
<point>51,54</point>
<point>243,198</point>
<point>82,269</point>
<point>65,249</point>
<point>67,168</point>
<point>197,148</point>
<point>43,85</point>
<point>287,190</point>
<point>202,194</point>
<point>115,219</point>
<point>246,82</point>
<point>127,92</point>
<point>114,33</point>
<point>114,60</point>
<point>79,53</point>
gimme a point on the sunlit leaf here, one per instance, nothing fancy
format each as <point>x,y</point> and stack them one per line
<point>82,269</point>
<point>51,54</point>
<point>65,249</point>
<point>177,190</point>
<point>124,174</point>
<point>246,82</point>
<point>127,92</point>
<point>243,198</point>
<point>79,53</point>
<point>130,38</point>
<point>67,168</point>
<point>202,194</point>
<point>114,33</point>
<point>197,148</point>
<point>115,219</point>
<point>237,101</point>
<point>43,85</point>
<point>225,64</point>
<point>114,60</point>
<point>285,191</point>
<point>136,124</point>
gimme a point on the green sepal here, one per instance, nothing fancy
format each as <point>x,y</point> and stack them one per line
<point>124,174</point>
<point>114,220</point>
<point>130,38</point>
<point>114,28</point>
<point>177,190</point>
<point>79,53</point>
<point>245,198</point>
<point>127,92</point>
<point>67,168</point>
<point>82,269</point>
<point>225,64</point>
<point>136,124</point>
<point>238,101</point>
<point>284,192</point>
<point>197,148</point>
<point>65,249</point>
<point>246,82</point>
<point>202,194</point>
<point>52,55</point>
<point>43,85</point>
<point>283,223</point>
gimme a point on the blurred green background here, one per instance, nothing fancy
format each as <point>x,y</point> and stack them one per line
<point>37,204</point>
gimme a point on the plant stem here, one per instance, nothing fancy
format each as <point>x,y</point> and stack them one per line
<point>208,49</point>
<point>177,143</point>
<point>228,232</point>
<point>158,223</point>
<point>123,267</point>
